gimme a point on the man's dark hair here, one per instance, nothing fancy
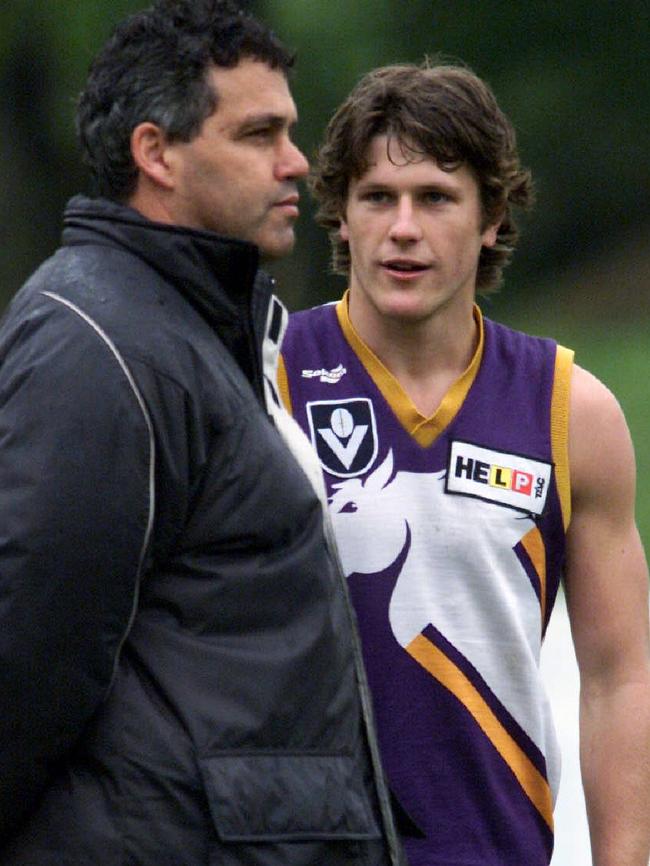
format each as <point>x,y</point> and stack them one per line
<point>442,111</point>
<point>155,68</point>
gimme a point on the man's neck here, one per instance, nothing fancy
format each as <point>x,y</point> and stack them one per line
<point>426,357</point>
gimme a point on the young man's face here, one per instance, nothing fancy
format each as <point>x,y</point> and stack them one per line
<point>238,176</point>
<point>415,235</point>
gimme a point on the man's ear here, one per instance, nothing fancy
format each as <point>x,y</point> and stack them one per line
<point>343,230</point>
<point>149,149</point>
<point>490,230</point>
<point>490,233</point>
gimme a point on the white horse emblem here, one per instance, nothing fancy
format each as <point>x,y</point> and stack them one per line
<point>460,572</point>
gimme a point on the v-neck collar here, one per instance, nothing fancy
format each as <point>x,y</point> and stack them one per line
<point>425,430</point>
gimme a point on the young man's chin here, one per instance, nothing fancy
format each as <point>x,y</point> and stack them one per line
<point>406,306</point>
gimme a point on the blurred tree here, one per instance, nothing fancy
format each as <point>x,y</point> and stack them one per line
<point>45,50</point>
<point>569,74</point>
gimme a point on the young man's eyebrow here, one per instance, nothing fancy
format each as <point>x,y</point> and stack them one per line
<point>442,185</point>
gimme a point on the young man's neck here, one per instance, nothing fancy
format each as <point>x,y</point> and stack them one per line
<point>426,357</point>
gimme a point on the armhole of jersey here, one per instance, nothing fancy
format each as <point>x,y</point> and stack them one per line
<point>283,385</point>
<point>560,428</point>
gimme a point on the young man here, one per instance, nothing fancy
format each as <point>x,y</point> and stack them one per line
<point>469,469</point>
<point>179,675</point>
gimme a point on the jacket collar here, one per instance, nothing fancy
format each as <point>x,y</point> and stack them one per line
<point>216,274</point>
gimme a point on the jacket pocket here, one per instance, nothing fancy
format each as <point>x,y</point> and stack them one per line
<point>289,809</point>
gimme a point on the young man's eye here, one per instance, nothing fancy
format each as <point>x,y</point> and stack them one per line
<point>435,196</point>
<point>376,196</point>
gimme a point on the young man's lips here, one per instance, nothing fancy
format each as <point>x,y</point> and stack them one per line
<point>404,269</point>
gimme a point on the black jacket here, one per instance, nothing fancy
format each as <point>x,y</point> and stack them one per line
<point>179,677</point>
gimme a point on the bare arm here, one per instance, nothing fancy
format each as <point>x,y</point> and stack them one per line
<point>607,594</point>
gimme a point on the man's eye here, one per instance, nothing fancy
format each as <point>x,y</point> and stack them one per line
<point>376,197</point>
<point>435,197</point>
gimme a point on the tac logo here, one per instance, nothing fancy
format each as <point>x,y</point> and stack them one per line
<point>509,479</point>
<point>344,434</point>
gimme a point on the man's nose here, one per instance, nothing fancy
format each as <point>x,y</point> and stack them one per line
<point>293,162</point>
<point>405,227</point>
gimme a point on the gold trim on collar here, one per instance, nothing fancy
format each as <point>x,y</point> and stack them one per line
<point>283,385</point>
<point>424,430</point>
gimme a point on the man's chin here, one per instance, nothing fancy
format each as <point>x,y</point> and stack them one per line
<point>276,248</point>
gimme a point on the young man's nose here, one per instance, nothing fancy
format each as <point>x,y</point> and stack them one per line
<point>405,226</point>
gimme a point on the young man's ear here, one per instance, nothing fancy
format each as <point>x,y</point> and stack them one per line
<point>489,236</point>
<point>344,234</point>
<point>490,229</point>
<point>149,149</point>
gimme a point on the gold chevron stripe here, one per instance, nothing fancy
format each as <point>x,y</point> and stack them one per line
<point>446,672</point>
<point>534,546</point>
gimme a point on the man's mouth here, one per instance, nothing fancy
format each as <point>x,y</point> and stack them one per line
<point>405,266</point>
<point>289,205</point>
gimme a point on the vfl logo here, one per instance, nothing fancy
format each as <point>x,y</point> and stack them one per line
<point>496,476</point>
<point>329,377</point>
<point>344,434</point>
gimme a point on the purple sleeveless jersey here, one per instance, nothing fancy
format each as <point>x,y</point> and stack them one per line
<point>452,533</point>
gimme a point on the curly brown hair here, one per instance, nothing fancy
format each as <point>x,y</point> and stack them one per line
<point>442,111</point>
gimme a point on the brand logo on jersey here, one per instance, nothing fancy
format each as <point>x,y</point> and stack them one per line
<point>344,434</point>
<point>497,476</point>
<point>329,377</point>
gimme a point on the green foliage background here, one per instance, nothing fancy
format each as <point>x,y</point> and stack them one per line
<point>569,72</point>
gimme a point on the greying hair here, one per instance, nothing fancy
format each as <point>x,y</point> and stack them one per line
<point>155,68</point>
